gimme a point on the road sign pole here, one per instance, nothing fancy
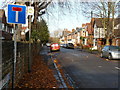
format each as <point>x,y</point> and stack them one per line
<point>15,54</point>
<point>1,57</point>
<point>30,58</point>
<point>30,13</point>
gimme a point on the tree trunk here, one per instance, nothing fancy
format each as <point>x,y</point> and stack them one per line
<point>108,28</point>
<point>107,41</point>
<point>113,33</point>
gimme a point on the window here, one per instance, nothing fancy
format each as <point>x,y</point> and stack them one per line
<point>106,47</point>
<point>1,26</point>
<point>69,39</point>
<point>114,47</point>
<point>95,42</point>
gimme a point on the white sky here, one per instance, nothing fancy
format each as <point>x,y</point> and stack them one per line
<point>0,5</point>
<point>61,18</point>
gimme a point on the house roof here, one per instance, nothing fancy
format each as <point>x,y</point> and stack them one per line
<point>83,25</point>
<point>78,29</point>
<point>65,32</point>
<point>99,22</point>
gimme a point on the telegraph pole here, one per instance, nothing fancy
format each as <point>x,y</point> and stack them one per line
<point>91,27</point>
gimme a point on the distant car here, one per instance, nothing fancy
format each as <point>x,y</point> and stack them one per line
<point>48,44</point>
<point>111,52</point>
<point>70,45</point>
<point>55,47</point>
<point>94,48</point>
<point>64,45</point>
<point>61,45</point>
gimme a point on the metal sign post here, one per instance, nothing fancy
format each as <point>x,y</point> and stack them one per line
<point>15,54</point>
<point>1,55</point>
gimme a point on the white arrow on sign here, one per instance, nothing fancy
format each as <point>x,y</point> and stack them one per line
<point>17,9</point>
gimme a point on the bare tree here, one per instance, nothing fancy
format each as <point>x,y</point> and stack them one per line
<point>39,7</point>
<point>104,10</point>
<point>57,34</point>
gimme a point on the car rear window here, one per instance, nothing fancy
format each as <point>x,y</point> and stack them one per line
<point>114,48</point>
<point>70,44</point>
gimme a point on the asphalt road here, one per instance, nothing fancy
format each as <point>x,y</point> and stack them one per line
<point>88,70</point>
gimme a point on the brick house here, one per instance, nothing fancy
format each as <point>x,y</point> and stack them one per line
<point>63,38</point>
<point>99,33</point>
<point>74,36</point>
<point>78,30</point>
<point>83,34</point>
<point>89,29</point>
<point>69,38</point>
<point>116,40</point>
<point>6,30</point>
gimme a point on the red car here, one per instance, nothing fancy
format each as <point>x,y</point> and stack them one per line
<point>55,47</point>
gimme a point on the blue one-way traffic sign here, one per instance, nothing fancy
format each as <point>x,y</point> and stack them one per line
<point>16,14</point>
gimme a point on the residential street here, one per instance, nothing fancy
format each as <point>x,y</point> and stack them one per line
<point>60,44</point>
<point>87,70</point>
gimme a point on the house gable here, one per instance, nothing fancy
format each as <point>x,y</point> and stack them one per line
<point>99,31</point>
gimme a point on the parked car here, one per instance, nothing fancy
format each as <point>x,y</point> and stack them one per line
<point>48,44</point>
<point>70,45</point>
<point>111,52</point>
<point>61,45</point>
<point>55,47</point>
<point>94,48</point>
<point>64,45</point>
